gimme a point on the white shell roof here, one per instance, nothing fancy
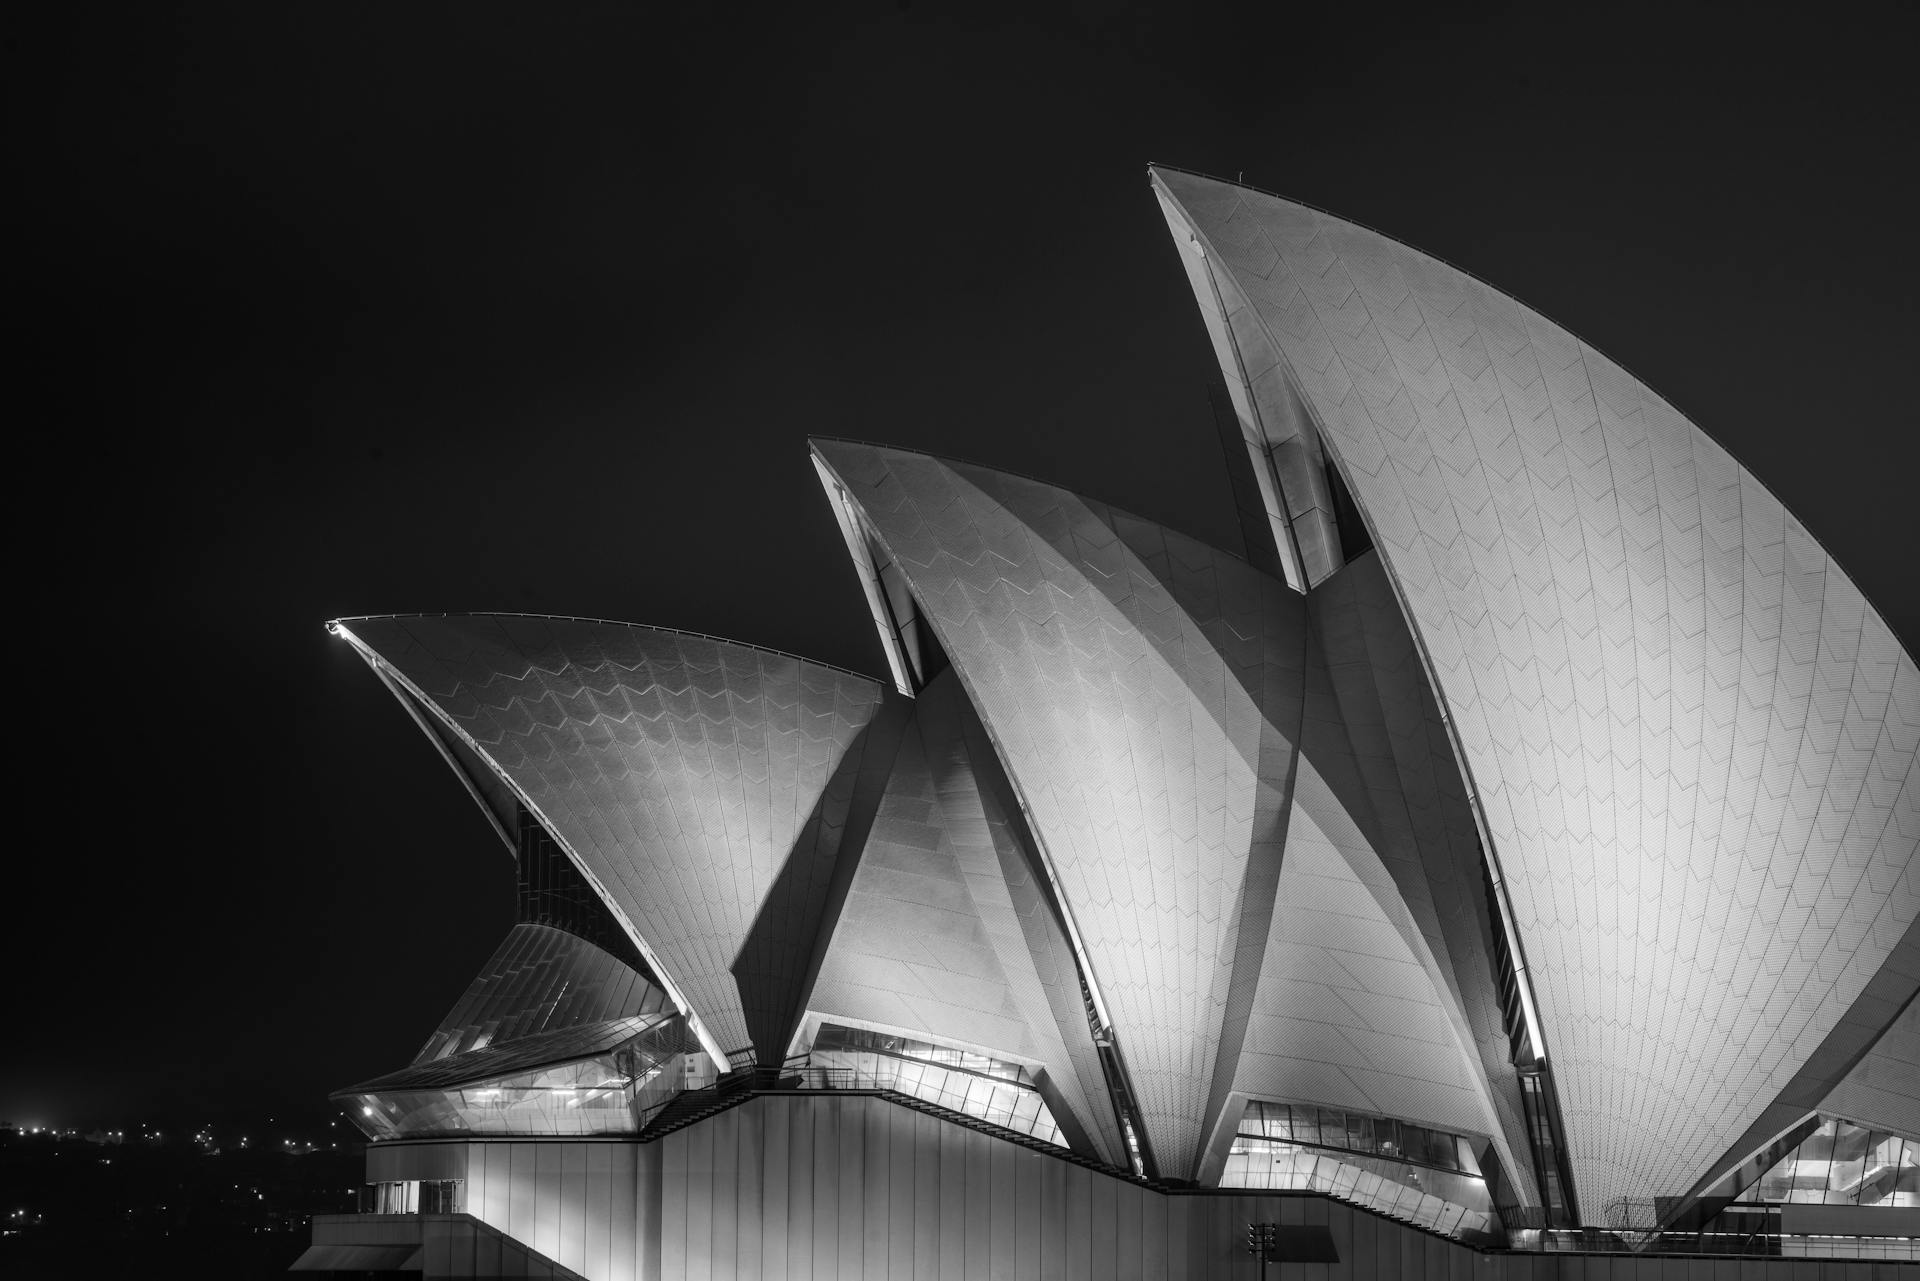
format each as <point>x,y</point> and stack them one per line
<point>1214,839</point>
<point>1883,1089</point>
<point>946,933</point>
<point>1693,741</point>
<point>704,786</point>
<point>751,815</point>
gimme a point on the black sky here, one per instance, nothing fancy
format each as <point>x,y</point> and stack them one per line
<point>336,309</point>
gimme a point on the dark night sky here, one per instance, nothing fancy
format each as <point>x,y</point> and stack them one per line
<point>358,309</point>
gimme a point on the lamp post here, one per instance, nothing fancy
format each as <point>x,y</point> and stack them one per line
<point>1260,1242</point>
<point>1305,1243</point>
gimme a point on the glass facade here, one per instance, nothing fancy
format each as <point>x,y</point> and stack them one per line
<point>1426,1176</point>
<point>1841,1163</point>
<point>414,1196</point>
<point>1359,1133</point>
<point>612,1088</point>
<point>1818,1247</point>
<point>998,1092</point>
<point>542,980</point>
<point>1537,1096</point>
<point>1549,1146</point>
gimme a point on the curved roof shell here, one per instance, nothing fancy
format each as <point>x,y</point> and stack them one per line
<point>704,787</point>
<point>1691,740</point>
<point>946,933</point>
<point>777,837</point>
<point>1255,921</point>
<point>1883,1089</point>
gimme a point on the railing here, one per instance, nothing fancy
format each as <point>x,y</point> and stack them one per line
<point>997,1103</point>
<point>994,1099</point>
<point>658,1087</point>
<point>1725,1228</point>
<point>1754,1232</point>
<point>1837,1247</point>
<point>1739,1242</point>
<point>799,1077</point>
<point>1378,1185</point>
<point>698,1102</point>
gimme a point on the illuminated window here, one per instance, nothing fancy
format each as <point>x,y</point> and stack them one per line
<point>1841,1163</point>
<point>1408,1170</point>
<point>988,1089</point>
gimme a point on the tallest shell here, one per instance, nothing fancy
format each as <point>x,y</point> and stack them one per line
<point>1691,741</point>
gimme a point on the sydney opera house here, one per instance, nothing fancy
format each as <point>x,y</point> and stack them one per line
<point>1506,859</point>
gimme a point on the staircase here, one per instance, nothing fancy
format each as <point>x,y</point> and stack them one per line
<point>690,1106</point>
<point>731,1090</point>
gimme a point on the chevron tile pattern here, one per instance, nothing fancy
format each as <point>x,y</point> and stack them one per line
<point>1833,1067</point>
<point>1151,698</point>
<point>910,950</point>
<point>1693,740</point>
<point>1360,1002</point>
<point>706,786</point>
<point>944,934</point>
<point>1351,1010</point>
<point>1132,727</point>
<point>1883,1090</point>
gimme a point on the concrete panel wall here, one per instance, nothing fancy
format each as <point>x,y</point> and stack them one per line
<point>816,1188</point>
<point>399,1162</point>
<point>825,1187</point>
<point>856,1186</point>
<point>576,1203</point>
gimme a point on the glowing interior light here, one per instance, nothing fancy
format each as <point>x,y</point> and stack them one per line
<point>367,1111</point>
